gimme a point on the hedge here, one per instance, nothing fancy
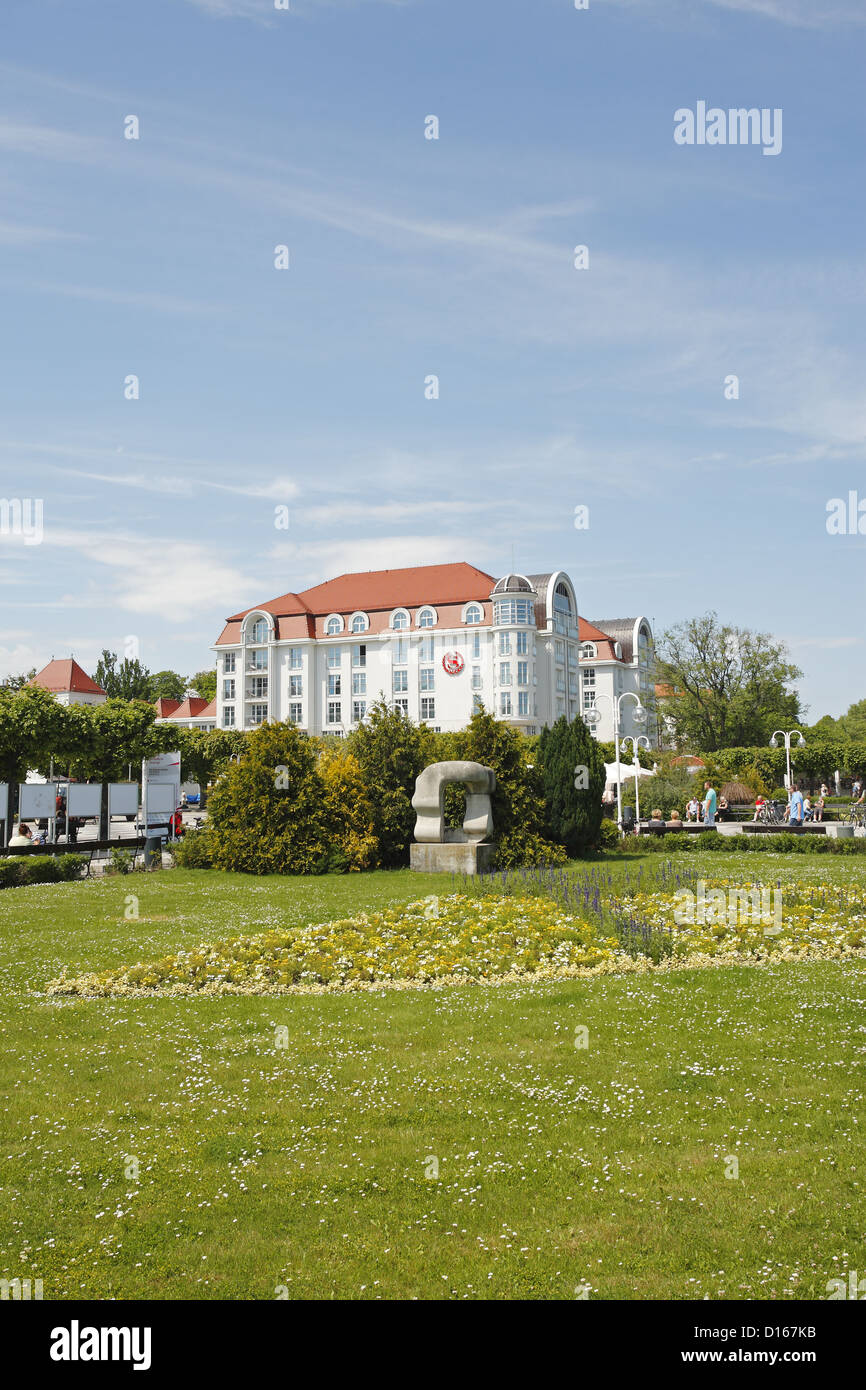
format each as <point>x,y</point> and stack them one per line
<point>22,870</point>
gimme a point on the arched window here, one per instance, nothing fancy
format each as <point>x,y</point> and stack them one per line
<point>426,618</point>
<point>258,631</point>
<point>333,626</point>
<point>587,651</point>
<point>360,622</point>
<point>562,598</point>
<point>400,619</point>
<point>474,613</point>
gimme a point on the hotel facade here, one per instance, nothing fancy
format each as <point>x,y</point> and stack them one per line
<point>436,641</point>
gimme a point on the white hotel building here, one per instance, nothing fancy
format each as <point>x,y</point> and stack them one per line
<point>436,641</point>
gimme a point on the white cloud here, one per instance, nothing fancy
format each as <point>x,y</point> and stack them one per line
<point>146,574</point>
<point>312,562</point>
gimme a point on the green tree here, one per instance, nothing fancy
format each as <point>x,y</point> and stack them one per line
<point>128,680</point>
<point>268,812</point>
<point>105,740</point>
<point>17,682</point>
<point>167,685</point>
<point>729,686</point>
<point>519,819</point>
<point>205,682</point>
<point>573,778</point>
<point>391,752</point>
<point>204,753</point>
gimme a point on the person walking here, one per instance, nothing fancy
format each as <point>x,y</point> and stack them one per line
<point>710,803</point>
<point>795,807</point>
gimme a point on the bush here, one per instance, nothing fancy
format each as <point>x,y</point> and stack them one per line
<point>391,751</point>
<point>353,843</point>
<point>519,819</point>
<point>122,861</point>
<point>18,871</point>
<point>609,836</point>
<point>568,755</point>
<point>268,812</point>
<point>194,850</point>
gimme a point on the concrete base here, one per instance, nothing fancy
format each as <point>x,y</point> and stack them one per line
<point>840,832</point>
<point>466,857</point>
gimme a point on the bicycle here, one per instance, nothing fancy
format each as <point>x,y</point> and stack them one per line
<point>769,814</point>
<point>857,815</point>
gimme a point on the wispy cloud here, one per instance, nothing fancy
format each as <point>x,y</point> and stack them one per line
<point>801,14</point>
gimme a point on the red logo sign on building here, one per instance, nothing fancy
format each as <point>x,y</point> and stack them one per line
<point>453,663</point>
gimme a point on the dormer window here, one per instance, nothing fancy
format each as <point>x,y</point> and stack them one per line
<point>334,625</point>
<point>258,631</point>
<point>427,617</point>
<point>587,651</point>
<point>474,614</point>
<point>360,622</point>
<point>399,619</point>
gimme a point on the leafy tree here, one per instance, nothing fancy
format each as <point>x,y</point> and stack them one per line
<point>729,686</point>
<point>268,812</point>
<point>391,752</point>
<point>105,739</point>
<point>665,792</point>
<point>204,753</point>
<point>205,682</point>
<point>573,778</point>
<point>18,682</point>
<point>127,681</point>
<point>167,685</point>
<point>519,820</point>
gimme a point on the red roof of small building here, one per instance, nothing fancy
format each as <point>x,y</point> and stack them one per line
<point>590,633</point>
<point>194,708</point>
<point>166,706</point>
<point>65,676</point>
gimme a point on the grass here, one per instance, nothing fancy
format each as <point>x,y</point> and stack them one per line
<point>289,1145</point>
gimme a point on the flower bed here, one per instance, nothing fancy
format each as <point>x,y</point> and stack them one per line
<point>489,938</point>
<point>434,939</point>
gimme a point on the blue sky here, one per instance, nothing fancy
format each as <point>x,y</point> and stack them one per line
<point>410,257</point>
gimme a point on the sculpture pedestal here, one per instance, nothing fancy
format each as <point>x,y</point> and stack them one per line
<point>466,857</point>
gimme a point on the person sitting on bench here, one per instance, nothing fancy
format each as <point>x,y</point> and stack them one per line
<point>22,836</point>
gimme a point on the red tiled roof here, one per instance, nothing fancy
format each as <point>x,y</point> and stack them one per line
<point>195,708</point>
<point>590,633</point>
<point>66,675</point>
<point>166,706</point>
<point>378,589</point>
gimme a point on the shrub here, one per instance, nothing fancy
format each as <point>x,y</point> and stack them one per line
<point>268,812</point>
<point>21,870</point>
<point>353,843</point>
<point>13,872</point>
<point>608,835</point>
<point>194,850</point>
<point>391,751</point>
<point>121,861</point>
<point>574,812</point>
<point>519,820</point>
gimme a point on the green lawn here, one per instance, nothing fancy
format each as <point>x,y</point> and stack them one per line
<point>306,1166</point>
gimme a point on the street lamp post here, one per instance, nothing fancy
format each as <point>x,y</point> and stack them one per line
<point>639,717</point>
<point>801,743</point>
<point>636,740</point>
